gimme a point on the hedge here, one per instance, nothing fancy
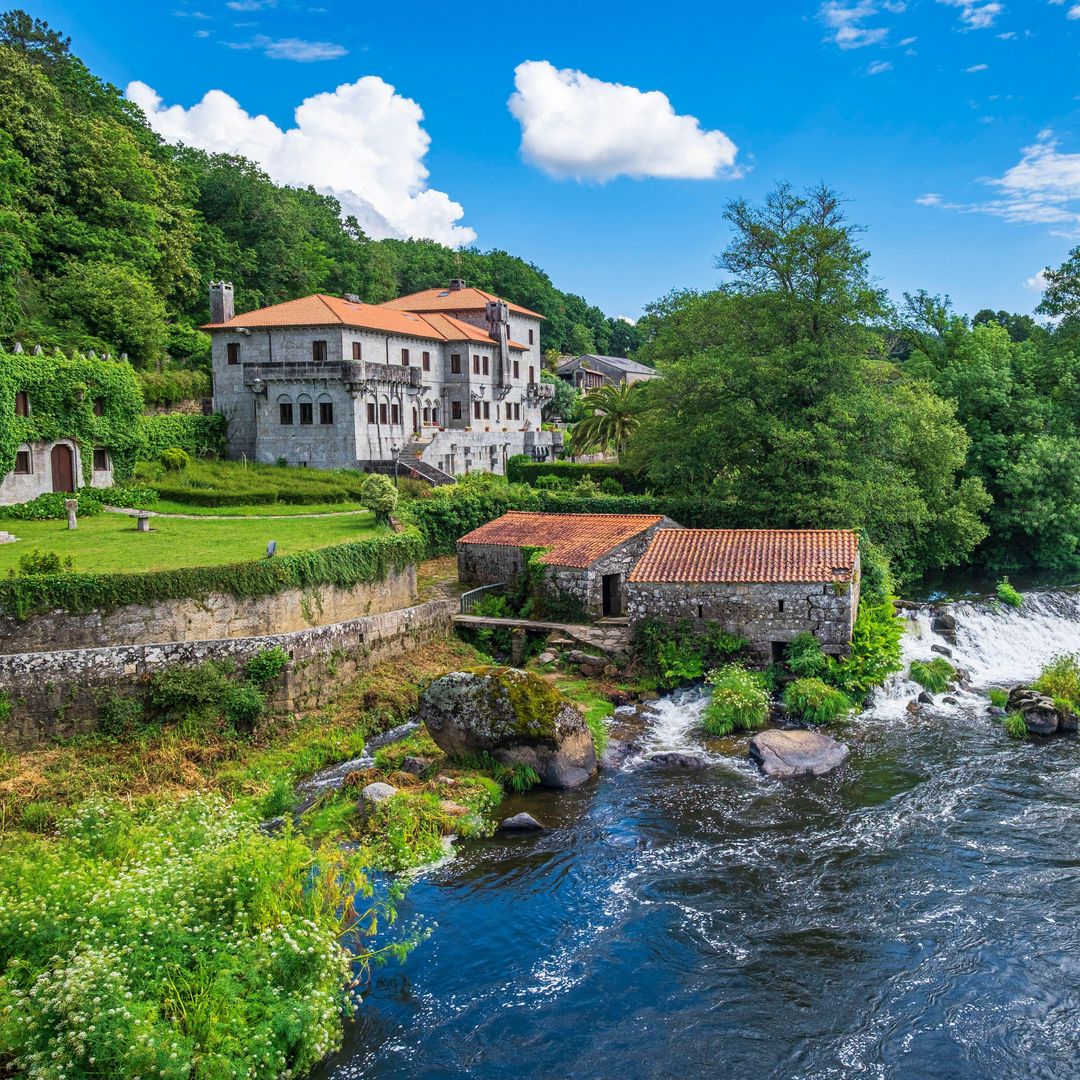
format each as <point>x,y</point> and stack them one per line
<point>343,565</point>
<point>200,436</point>
<point>522,470</point>
<point>173,385</point>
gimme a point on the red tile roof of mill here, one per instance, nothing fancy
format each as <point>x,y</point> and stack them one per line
<point>748,555</point>
<point>575,540</point>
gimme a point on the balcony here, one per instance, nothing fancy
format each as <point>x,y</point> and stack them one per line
<point>539,391</point>
<point>395,374</point>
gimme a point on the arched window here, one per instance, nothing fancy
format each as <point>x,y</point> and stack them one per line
<point>326,409</point>
<point>285,410</point>
<point>435,412</point>
<point>427,414</point>
<point>306,408</point>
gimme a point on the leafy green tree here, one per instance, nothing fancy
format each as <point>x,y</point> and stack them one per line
<point>581,340</point>
<point>611,415</point>
<point>566,402</point>
<point>380,496</point>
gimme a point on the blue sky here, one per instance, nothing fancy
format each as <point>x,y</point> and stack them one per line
<point>952,127</point>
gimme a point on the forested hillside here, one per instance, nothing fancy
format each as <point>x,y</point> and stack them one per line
<point>108,236</point>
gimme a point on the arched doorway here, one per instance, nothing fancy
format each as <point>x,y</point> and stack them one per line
<point>63,468</point>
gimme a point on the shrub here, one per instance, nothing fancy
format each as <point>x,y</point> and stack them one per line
<point>672,654</point>
<point>739,702</point>
<point>265,665</point>
<point>130,495</point>
<point>815,702</point>
<point>1007,594</point>
<point>243,707</point>
<point>44,562</point>
<point>120,715</point>
<point>200,436</point>
<point>174,459</point>
<point>999,697</point>
<point>38,817</point>
<point>174,385</point>
<point>586,488</point>
<point>932,675</point>
<point>1015,726</point>
<point>521,469</point>
<point>1060,679</point>
<point>550,482</point>
<point>610,486</point>
<point>50,506</point>
<point>804,657</point>
<point>380,496</point>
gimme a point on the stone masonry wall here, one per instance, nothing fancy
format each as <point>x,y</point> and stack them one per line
<point>58,694</point>
<point>762,613</point>
<point>487,564</point>
<point>217,616</point>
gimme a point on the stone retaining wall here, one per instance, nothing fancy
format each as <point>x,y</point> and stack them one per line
<point>212,617</point>
<point>57,694</point>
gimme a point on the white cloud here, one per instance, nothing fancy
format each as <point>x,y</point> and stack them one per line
<point>1042,188</point>
<point>303,52</point>
<point>908,41</point>
<point>878,66</point>
<point>1073,12</point>
<point>976,16</point>
<point>1037,282</point>
<point>249,5</point>
<point>363,143</point>
<point>202,33</point>
<point>976,68</point>
<point>573,125</point>
<point>1007,36</point>
<point>931,198</point>
<point>845,20</point>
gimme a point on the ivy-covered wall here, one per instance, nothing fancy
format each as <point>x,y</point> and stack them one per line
<point>62,392</point>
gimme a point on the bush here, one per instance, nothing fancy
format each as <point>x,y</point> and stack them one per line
<point>549,482</point>
<point>380,496</point>
<point>266,665</point>
<point>815,702</point>
<point>205,948</point>
<point>243,707</point>
<point>38,817</point>
<point>739,702</point>
<point>200,436</point>
<point>804,657</point>
<point>1060,679</point>
<point>50,506</point>
<point>932,675</point>
<point>174,459</point>
<point>130,495</point>
<point>1007,594</point>
<point>521,469</point>
<point>1015,726</point>
<point>610,486</point>
<point>670,655</point>
<point>173,385</point>
<point>120,715</point>
<point>999,698</point>
<point>45,562</point>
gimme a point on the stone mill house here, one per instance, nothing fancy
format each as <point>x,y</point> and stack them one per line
<point>765,585</point>
<point>446,381</point>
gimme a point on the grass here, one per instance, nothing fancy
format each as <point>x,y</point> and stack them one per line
<point>1015,726</point>
<point>1007,593</point>
<point>815,702</point>
<point>167,506</point>
<point>596,708</point>
<point>110,542</point>
<point>932,675</point>
<point>999,697</point>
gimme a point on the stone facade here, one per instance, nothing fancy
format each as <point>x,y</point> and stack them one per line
<point>591,371</point>
<point>461,405</point>
<point>58,694</point>
<point>767,615</point>
<point>38,472</point>
<point>211,617</point>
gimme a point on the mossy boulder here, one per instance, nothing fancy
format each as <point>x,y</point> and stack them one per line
<point>516,717</point>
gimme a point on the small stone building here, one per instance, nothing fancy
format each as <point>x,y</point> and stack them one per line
<point>591,371</point>
<point>587,556</point>
<point>766,585</point>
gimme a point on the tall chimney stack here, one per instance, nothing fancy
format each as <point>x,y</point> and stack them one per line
<point>456,284</point>
<point>222,306</point>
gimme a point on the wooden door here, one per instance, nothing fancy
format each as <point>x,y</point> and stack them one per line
<point>63,468</point>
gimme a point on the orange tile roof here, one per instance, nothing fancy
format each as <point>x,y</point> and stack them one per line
<point>467,299</point>
<point>576,540</point>
<point>321,310</point>
<point>748,555</point>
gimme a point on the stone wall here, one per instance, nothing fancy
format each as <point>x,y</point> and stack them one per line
<point>22,487</point>
<point>761,613</point>
<point>58,694</point>
<point>213,617</point>
<point>488,564</point>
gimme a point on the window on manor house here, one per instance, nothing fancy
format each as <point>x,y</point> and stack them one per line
<point>382,412</point>
<point>487,410</point>
<point>530,336</point>
<point>356,351</point>
<point>476,410</point>
<point>455,363</point>
<point>326,412</point>
<point>285,413</point>
<point>404,357</point>
<point>517,369</point>
<point>22,462</point>
<point>486,361</point>
<point>395,414</point>
<point>22,403</point>
<point>101,459</point>
<point>99,407</point>
<point>318,355</point>
<point>307,413</point>
<point>476,364</point>
<point>232,351</point>
<point>371,412</point>
<point>532,373</point>
<point>455,410</point>
<point>426,361</point>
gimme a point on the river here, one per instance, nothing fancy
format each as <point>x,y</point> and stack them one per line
<point>914,915</point>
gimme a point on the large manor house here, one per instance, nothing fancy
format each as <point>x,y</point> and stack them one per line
<point>445,380</point>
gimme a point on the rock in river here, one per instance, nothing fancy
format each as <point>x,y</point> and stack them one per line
<point>674,759</point>
<point>517,717</point>
<point>787,754</point>
<point>1041,714</point>
<point>521,823</point>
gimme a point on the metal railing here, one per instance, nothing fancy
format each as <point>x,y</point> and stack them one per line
<point>470,598</point>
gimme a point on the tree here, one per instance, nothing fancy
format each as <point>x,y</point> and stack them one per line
<point>581,340</point>
<point>611,416</point>
<point>566,402</point>
<point>380,496</point>
<point>777,401</point>
<point>1019,327</point>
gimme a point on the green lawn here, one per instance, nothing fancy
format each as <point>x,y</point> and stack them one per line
<point>109,542</point>
<point>166,506</point>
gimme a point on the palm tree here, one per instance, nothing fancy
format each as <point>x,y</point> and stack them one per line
<point>611,418</point>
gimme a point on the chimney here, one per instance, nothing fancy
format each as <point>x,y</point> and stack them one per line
<point>222,306</point>
<point>456,284</point>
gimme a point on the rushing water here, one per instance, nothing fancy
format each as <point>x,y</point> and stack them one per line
<point>916,914</point>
